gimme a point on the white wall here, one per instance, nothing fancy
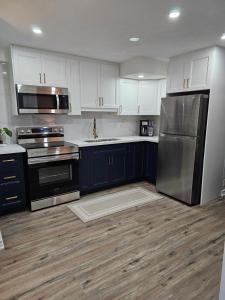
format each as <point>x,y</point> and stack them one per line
<point>76,127</point>
<point>213,170</point>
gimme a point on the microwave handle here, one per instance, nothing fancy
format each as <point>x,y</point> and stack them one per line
<point>57,101</point>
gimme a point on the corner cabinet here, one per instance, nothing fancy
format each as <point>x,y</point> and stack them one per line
<point>36,67</point>
<point>141,97</point>
<point>191,71</point>
<point>12,183</point>
<point>98,86</point>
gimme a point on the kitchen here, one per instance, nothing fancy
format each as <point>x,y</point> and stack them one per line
<point>111,151</point>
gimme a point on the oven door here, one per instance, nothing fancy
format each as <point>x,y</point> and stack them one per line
<point>53,175</point>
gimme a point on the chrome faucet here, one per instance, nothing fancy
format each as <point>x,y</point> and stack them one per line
<point>95,130</point>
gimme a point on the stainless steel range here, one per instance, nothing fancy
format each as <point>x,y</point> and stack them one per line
<point>52,166</point>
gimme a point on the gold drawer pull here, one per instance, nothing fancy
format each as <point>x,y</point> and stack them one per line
<point>8,160</point>
<point>11,198</point>
<point>9,177</point>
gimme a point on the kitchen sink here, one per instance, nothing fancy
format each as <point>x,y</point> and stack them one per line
<point>100,140</point>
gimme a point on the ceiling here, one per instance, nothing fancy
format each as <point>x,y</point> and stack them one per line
<point>101,28</point>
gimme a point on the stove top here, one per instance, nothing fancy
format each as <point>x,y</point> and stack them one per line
<point>47,145</point>
<point>44,141</point>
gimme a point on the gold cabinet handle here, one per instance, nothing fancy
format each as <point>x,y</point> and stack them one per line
<point>9,177</point>
<point>8,160</point>
<point>11,198</point>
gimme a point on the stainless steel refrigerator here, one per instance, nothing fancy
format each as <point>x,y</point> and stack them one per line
<point>183,122</point>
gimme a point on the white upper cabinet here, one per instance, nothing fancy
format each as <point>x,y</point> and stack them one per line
<point>26,66</point>
<point>54,69</point>
<point>141,97</point>
<point>36,67</point>
<point>197,70</point>
<point>98,86</point>
<point>190,72</point>
<point>74,86</point>
<point>108,80</point>
<point>175,82</point>
<point>128,97</point>
<point>90,85</point>
<point>148,97</point>
<point>161,93</point>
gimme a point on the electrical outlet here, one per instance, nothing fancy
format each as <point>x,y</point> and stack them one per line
<point>223,193</point>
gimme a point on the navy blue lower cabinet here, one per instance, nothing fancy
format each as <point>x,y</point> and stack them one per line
<point>100,167</point>
<point>110,165</point>
<point>12,187</point>
<point>135,161</point>
<point>151,156</point>
<point>85,169</point>
<point>118,164</point>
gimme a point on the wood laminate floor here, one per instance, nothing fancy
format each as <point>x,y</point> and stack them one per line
<point>164,250</point>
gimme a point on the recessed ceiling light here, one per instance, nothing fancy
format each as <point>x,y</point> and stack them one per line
<point>223,36</point>
<point>134,39</point>
<point>174,14</point>
<point>37,30</point>
<point>141,76</point>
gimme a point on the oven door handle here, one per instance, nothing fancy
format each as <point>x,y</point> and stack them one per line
<point>44,159</point>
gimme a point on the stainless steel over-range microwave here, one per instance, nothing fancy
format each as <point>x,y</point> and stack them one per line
<point>42,99</point>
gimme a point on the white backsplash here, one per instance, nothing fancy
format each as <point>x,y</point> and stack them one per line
<point>76,127</point>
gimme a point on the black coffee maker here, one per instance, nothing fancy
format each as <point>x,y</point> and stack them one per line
<point>144,127</point>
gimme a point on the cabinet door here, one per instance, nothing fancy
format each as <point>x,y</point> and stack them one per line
<point>74,86</point>
<point>197,70</point>
<point>89,80</point>
<point>100,163</point>
<point>161,93</point>
<point>151,155</point>
<point>85,169</point>
<point>118,165</point>
<point>175,82</point>
<point>135,161</point>
<point>148,97</point>
<point>128,97</point>
<point>27,66</point>
<point>54,70</point>
<point>109,77</point>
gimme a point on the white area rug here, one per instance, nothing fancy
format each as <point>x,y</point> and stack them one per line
<point>91,209</point>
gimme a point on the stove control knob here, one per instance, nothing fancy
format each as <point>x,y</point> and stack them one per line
<point>28,130</point>
<point>61,129</point>
<point>55,129</point>
<point>21,131</point>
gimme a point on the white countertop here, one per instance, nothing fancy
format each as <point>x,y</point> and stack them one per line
<point>125,139</point>
<point>10,149</point>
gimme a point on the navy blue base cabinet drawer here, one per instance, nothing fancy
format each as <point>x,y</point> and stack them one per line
<point>12,186</point>
<point>110,165</point>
